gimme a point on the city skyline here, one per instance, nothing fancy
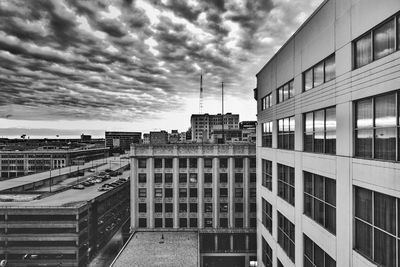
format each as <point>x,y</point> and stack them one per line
<point>85,67</point>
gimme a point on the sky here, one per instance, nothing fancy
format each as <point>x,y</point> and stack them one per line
<point>74,66</point>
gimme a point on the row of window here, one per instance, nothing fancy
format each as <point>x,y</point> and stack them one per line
<point>183,192</point>
<point>168,178</point>
<point>193,222</point>
<point>193,207</point>
<point>193,163</point>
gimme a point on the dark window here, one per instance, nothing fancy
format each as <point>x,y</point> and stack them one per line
<point>182,163</point>
<point>286,133</point>
<point>286,183</point>
<point>239,177</point>
<point>193,222</point>
<point>168,163</point>
<point>238,163</point>
<point>238,222</point>
<point>157,192</point>
<point>320,73</point>
<point>207,207</point>
<point>182,192</point>
<point>252,207</point>
<point>158,223</point>
<point>320,200</point>
<point>142,222</point>
<point>267,215</point>
<point>157,163</point>
<point>253,177</point>
<point>158,207</point>
<point>193,207</point>
<point>239,207</point>
<point>315,256</point>
<point>223,192</point>
<point>193,163</point>
<point>142,192</point>
<point>266,253</point>
<point>320,131</point>
<point>193,192</point>
<point>266,134</point>
<point>207,163</point>
<point>377,127</point>
<point>168,192</point>
<point>266,101</point>
<point>208,178</point>
<point>376,232</point>
<point>142,163</point>
<point>193,178</point>
<point>158,178</point>
<point>168,207</point>
<point>285,92</point>
<point>223,207</point>
<point>142,178</point>
<point>142,207</point>
<point>182,222</point>
<point>239,192</point>
<point>223,163</point>
<point>208,222</point>
<point>253,162</point>
<point>183,178</point>
<point>223,222</point>
<point>207,192</point>
<point>286,235</point>
<point>182,207</point>
<point>223,177</point>
<point>168,178</point>
<point>169,223</point>
<point>267,174</point>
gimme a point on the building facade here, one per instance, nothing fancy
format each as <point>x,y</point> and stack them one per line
<point>19,163</point>
<point>119,142</point>
<point>202,125</point>
<point>209,188</point>
<point>328,149</point>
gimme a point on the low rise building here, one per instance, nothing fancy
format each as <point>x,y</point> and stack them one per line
<point>202,125</point>
<point>119,142</point>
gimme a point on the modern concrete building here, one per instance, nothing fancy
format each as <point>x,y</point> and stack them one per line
<point>328,149</point>
<point>203,124</point>
<point>119,142</point>
<point>19,163</point>
<point>206,188</point>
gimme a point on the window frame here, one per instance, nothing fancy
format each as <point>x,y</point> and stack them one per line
<point>280,92</point>
<point>311,70</point>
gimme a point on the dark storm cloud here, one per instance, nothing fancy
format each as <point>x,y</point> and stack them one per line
<point>130,59</point>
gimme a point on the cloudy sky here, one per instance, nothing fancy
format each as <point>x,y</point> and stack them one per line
<point>73,66</point>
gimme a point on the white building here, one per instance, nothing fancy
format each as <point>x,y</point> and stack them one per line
<point>328,192</point>
<point>203,124</point>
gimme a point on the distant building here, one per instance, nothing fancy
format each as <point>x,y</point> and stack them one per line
<point>19,163</point>
<point>202,125</point>
<point>248,130</point>
<point>229,135</point>
<point>86,137</point>
<point>157,138</point>
<point>174,137</point>
<point>204,187</point>
<point>119,142</point>
<point>146,138</point>
<point>189,134</point>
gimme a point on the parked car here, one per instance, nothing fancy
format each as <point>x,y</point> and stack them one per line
<point>122,179</point>
<point>108,170</point>
<point>78,186</point>
<point>101,188</point>
<point>91,170</point>
<point>87,183</point>
<point>98,180</point>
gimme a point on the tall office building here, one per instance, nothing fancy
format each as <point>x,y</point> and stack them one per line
<point>202,125</point>
<point>206,188</point>
<point>328,149</point>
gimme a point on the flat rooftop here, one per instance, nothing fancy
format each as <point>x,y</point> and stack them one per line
<point>146,249</point>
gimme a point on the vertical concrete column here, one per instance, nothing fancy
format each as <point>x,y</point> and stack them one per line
<point>246,177</point>
<point>134,193</point>
<point>200,182</point>
<point>231,241</point>
<point>150,190</point>
<point>175,179</point>
<point>216,242</point>
<point>215,191</point>
<point>231,192</point>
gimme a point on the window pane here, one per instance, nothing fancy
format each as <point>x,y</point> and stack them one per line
<point>364,143</point>
<point>292,124</point>
<point>308,247</point>
<point>319,186</point>
<point>319,142</point>
<point>318,74</point>
<point>309,124</point>
<point>364,113</point>
<point>330,142</point>
<point>363,51</point>
<point>384,248</point>
<point>363,239</point>
<point>291,90</point>
<point>330,119</point>
<point>318,256</point>
<point>385,143</point>
<point>319,211</point>
<point>385,212</point>
<point>330,70</point>
<point>280,125</point>
<point>286,124</point>
<point>308,203</point>
<point>385,110</point>
<point>384,39</point>
<point>308,81</point>
<point>330,218</point>
<point>363,204</point>
<point>285,92</point>
<point>308,183</point>
<point>330,191</point>
<point>398,47</point>
<point>319,120</point>
<point>329,262</point>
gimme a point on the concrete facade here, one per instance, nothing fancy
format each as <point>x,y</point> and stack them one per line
<point>202,125</point>
<point>186,187</point>
<point>331,30</point>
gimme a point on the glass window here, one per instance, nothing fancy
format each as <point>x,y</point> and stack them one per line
<point>207,192</point>
<point>193,178</point>
<point>363,51</point>
<point>223,177</point>
<point>238,192</point>
<point>157,163</point>
<point>286,129</point>
<point>223,207</point>
<point>315,256</point>
<point>183,178</point>
<point>142,163</point>
<point>158,192</point>
<point>318,74</point>
<point>207,163</point>
<point>267,174</point>
<point>239,163</point>
<point>308,80</point>
<point>142,192</point>
<point>223,192</point>
<point>208,178</point>
<point>239,177</point>
<point>182,192</point>
<point>266,215</point>
<point>193,163</point>
<point>223,163</point>
<point>142,178</point>
<point>168,163</point>
<point>267,134</point>
<point>168,178</point>
<point>291,89</point>
<point>182,207</point>
<point>168,192</point>
<point>158,178</point>
<point>286,183</point>
<point>330,69</point>
<point>384,40</point>
<point>286,239</point>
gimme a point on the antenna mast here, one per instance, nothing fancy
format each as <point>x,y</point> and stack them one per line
<point>201,94</point>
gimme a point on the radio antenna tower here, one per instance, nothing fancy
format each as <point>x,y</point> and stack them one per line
<point>201,94</point>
